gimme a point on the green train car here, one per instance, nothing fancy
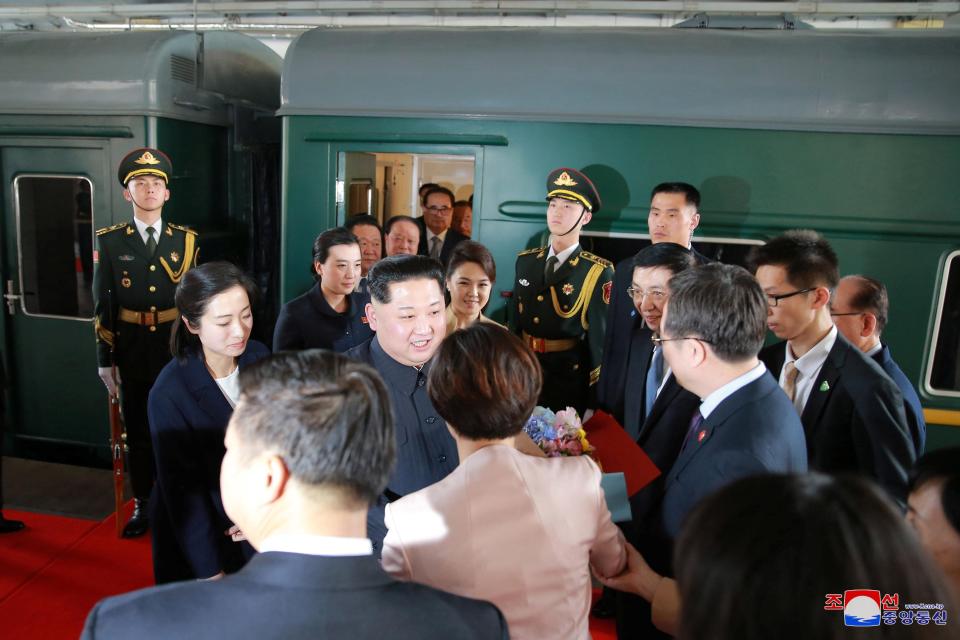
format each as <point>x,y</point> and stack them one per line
<point>71,106</point>
<point>855,134</point>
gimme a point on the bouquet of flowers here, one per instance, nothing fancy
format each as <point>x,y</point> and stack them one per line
<point>558,434</point>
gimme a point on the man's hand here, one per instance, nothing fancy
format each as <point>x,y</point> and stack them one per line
<point>638,577</point>
<point>110,381</point>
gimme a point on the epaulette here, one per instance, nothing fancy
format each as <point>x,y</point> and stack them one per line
<point>529,251</point>
<point>181,228</point>
<point>120,225</point>
<point>586,255</point>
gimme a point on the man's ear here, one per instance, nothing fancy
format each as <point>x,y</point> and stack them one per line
<point>821,297</point>
<point>587,217</point>
<point>694,221</point>
<point>868,325</point>
<point>371,315</point>
<point>277,477</point>
<point>126,195</point>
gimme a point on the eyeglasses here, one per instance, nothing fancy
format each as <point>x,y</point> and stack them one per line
<point>773,299</point>
<point>848,313</point>
<point>438,209</point>
<point>638,294</point>
<point>659,341</point>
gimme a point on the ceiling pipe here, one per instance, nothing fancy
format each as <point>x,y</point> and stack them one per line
<point>326,8</point>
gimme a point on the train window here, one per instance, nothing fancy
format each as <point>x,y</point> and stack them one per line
<point>943,368</point>
<point>387,184</point>
<point>619,246</point>
<point>55,244</point>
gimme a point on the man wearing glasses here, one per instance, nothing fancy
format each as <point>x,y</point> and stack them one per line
<point>860,307</point>
<point>437,239</point>
<point>712,329</point>
<point>851,411</point>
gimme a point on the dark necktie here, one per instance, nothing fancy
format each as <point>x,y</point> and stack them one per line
<point>151,241</point>
<point>436,246</point>
<point>695,423</point>
<point>551,266</point>
<point>654,377</point>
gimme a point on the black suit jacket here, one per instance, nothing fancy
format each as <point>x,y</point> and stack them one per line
<point>911,401</point>
<point>295,596</point>
<point>188,419</point>
<point>854,418</point>
<point>451,240</point>
<point>622,320</point>
<point>308,322</point>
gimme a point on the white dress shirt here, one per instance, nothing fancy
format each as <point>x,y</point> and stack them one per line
<point>563,255</point>
<point>874,350</point>
<point>142,228</point>
<point>808,367</point>
<point>431,235</point>
<point>317,545</point>
<point>713,400</point>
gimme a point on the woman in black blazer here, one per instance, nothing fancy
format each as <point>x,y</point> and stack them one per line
<point>189,407</point>
<point>331,314</point>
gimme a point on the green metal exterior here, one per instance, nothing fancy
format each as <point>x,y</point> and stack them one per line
<point>888,203</point>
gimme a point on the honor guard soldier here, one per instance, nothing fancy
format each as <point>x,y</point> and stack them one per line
<point>138,265</point>
<point>562,294</point>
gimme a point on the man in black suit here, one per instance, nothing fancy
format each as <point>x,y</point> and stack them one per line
<point>673,217</point>
<point>860,307</point>
<point>309,447</point>
<point>711,331</point>
<point>851,411</point>
<point>437,239</point>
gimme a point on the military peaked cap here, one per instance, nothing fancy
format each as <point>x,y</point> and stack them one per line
<point>570,184</point>
<point>145,161</point>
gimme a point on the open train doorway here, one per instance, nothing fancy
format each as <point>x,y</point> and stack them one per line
<point>388,184</point>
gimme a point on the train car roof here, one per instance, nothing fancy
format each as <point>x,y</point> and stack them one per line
<point>806,80</point>
<point>149,73</point>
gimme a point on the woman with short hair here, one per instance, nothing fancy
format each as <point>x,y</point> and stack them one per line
<point>189,407</point>
<point>331,315</point>
<point>517,530</point>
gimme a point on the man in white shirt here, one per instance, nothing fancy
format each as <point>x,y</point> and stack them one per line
<point>437,239</point>
<point>851,410</point>
<point>309,447</point>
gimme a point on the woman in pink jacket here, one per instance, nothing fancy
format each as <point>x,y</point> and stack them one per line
<point>517,530</point>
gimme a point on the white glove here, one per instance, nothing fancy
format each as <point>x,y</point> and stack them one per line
<point>109,380</point>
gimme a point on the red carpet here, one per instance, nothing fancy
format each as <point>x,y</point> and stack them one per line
<point>53,572</point>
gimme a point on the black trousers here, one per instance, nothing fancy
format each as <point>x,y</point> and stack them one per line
<point>566,382</point>
<point>133,402</point>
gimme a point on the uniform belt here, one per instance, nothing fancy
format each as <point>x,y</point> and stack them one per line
<point>148,318</point>
<point>543,345</point>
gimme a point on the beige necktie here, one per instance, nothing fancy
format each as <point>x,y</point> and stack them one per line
<point>790,380</point>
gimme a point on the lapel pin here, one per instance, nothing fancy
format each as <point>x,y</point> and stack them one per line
<point>824,386</point>
<point>701,435</point>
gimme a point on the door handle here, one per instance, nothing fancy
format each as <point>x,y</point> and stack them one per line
<point>11,298</point>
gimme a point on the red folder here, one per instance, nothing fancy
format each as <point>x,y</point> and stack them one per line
<point>616,451</point>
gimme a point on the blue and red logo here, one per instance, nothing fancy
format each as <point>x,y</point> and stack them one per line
<point>861,608</point>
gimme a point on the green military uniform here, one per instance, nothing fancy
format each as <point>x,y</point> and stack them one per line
<point>134,295</point>
<point>562,316</point>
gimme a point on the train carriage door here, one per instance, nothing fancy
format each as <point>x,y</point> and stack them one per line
<point>54,196</point>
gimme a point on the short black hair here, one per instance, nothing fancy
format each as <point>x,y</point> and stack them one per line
<point>327,416</point>
<point>438,189</point>
<point>395,219</point>
<point>401,269</point>
<point>807,257</point>
<point>194,292</point>
<point>326,240</point>
<point>360,220</point>
<point>871,296</point>
<point>723,305</point>
<point>788,540</point>
<point>690,192</point>
<point>668,255</point>
<point>484,382</point>
<point>941,465</point>
<point>426,186</point>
